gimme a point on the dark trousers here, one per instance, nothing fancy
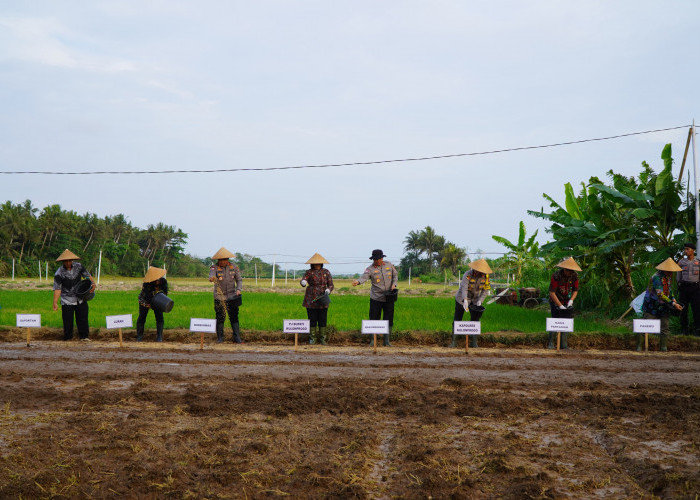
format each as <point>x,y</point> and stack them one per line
<point>143,312</point>
<point>459,313</point>
<point>81,319</point>
<point>221,307</point>
<point>689,297</point>
<point>376,309</point>
<point>317,317</point>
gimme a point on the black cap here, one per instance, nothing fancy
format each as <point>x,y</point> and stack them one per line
<point>377,254</point>
<point>689,245</point>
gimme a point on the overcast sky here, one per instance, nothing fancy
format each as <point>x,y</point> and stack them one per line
<point>160,85</point>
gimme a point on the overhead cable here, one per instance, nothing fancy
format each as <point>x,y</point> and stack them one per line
<point>329,165</point>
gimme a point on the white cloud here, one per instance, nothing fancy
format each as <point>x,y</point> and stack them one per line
<point>48,42</point>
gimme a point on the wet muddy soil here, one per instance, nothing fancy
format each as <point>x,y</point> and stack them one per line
<point>90,419</point>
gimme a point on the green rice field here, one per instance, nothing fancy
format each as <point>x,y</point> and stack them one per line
<point>264,311</point>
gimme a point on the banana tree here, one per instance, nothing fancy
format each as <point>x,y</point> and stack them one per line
<point>612,229</point>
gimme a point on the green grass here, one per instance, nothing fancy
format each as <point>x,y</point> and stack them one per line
<point>265,311</point>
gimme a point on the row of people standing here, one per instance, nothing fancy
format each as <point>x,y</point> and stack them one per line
<point>74,286</point>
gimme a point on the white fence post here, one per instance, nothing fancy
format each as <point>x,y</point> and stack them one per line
<point>99,268</point>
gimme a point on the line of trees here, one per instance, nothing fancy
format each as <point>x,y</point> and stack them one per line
<point>29,234</point>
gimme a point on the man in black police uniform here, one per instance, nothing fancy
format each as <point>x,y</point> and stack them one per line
<point>689,288</point>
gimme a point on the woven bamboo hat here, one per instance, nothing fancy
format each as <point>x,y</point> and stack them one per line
<point>67,255</point>
<point>668,265</point>
<point>153,273</point>
<point>481,265</point>
<point>570,264</point>
<point>222,254</point>
<point>317,258</point>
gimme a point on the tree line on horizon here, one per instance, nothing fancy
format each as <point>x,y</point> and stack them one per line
<point>31,236</point>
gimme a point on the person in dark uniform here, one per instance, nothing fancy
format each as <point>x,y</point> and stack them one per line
<point>689,288</point>
<point>154,282</point>
<point>228,285</point>
<point>319,284</point>
<point>65,287</point>
<point>472,291</point>
<point>563,289</point>
<point>384,278</point>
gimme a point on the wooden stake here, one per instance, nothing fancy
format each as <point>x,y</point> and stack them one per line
<point>296,341</point>
<point>201,342</point>
<point>646,342</point>
<point>466,344</point>
<point>120,339</point>
<point>558,340</point>
<point>28,335</point>
<point>625,314</point>
<point>685,155</point>
<point>375,343</point>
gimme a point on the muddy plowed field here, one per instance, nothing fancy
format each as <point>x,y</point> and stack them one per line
<point>88,419</point>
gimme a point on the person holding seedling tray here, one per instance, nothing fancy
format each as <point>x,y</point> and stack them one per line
<point>319,285</point>
<point>154,283</point>
<point>228,285</point>
<point>74,286</point>
<point>472,291</point>
<point>659,302</point>
<point>563,289</point>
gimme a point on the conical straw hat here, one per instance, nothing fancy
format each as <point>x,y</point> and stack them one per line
<point>481,265</point>
<point>317,258</point>
<point>67,255</point>
<point>223,254</point>
<point>153,274</point>
<point>668,265</point>
<point>570,264</point>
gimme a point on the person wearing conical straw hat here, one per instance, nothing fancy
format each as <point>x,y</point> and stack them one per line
<point>659,302</point>
<point>382,294</point>
<point>154,282</point>
<point>65,284</point>
<point>228,285</point>
<point>473,289</point>
<point>319,285</point>
<point>563,289</point>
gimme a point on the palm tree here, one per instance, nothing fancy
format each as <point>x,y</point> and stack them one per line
<point>412,243</point>
<point>522,252</point>
<point>452,257</point>
<point>430,243</point>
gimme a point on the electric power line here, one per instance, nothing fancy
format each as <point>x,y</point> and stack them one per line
<point>330,165</point>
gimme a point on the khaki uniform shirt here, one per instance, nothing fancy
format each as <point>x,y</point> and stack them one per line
<point>382,277</point>
<point>690,270</point>
<point>228,280</point>
<point>472,288</point>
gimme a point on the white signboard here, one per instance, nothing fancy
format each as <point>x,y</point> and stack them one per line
<point>378,326</point>
<point>560,324</point>
<point>646,325</point>
<point>202,325</point>
<point>467,328</point>
<point>29,320</point>
<point>121,321</point>
<point>296,326</point>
